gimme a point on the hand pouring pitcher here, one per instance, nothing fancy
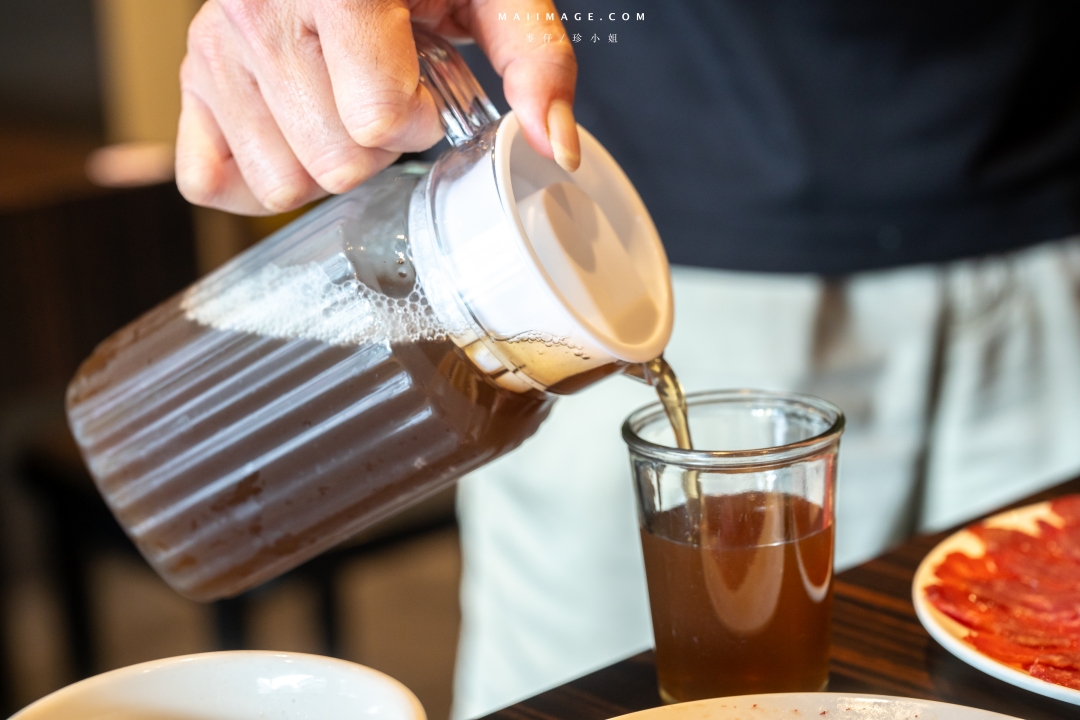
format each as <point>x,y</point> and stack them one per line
<point>373,351</point>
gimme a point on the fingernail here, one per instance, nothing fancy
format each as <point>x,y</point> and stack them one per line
<point>563,135</point>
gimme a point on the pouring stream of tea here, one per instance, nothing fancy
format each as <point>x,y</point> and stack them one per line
<point>670,390</point>
<point>673,399</point>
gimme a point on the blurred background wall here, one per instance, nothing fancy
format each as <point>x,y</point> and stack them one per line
<point>103,68</point>
<point>49,65</point>
<point>141,46</point>
<point>79,259</point>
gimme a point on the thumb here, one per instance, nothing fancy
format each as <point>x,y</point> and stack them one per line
<point>528,46</point>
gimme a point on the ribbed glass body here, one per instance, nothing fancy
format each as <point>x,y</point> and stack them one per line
<point>297,395</point>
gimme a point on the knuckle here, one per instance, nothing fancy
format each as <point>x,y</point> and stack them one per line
<point>200,182</point>
<point>204,35</point>
<point>377,123</point>
<point>188,78</point>
<point>341,176</point>
<point>337,182</point>
<point>558,61</point>
<point>284,196</point>
<point>264,26</point>
<point>279,186</point>
<point>245,15</point>
<point>203,22</point>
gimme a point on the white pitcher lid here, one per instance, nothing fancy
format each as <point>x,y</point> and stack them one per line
<point>553,273</point>
<point>592,243</point>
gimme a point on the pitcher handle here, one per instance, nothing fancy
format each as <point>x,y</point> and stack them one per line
<point>463,105</point>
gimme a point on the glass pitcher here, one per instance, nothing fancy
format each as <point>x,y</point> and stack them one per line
<point>373,351</point>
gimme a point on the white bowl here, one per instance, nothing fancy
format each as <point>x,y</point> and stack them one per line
<point>244,685</point>
<point>814,706</point>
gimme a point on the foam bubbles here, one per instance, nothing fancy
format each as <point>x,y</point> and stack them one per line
<point>301,301</point>
<point>550,340</point>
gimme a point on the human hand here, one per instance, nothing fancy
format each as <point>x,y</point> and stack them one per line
<point>285,101</point>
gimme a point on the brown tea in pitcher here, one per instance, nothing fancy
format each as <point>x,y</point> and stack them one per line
<point>238,433</point>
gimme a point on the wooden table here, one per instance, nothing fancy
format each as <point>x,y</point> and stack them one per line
<point>878,646</point>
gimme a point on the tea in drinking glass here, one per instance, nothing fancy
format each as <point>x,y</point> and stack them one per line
<point>738,541</point>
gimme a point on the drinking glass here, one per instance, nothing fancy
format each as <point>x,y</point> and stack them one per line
<point>737,536</point>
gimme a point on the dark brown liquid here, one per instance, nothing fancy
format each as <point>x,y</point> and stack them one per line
<point>230,457</point>
<point>748,611</point>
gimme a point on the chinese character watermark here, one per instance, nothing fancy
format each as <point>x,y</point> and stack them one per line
<point>546,29</point>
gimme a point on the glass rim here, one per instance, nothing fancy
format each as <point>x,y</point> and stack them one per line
<point>647,414</point>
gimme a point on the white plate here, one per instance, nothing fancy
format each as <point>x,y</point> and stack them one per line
<point>950,633</point>
<point>241,685</point>
<point>814,705</point>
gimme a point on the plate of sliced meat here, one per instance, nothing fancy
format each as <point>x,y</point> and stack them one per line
<point>1003,595</point>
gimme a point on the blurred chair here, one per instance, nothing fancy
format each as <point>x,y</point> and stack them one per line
<point>79,526</point>
<point>7,694</point>
<point>72,272</point>
<point>76,262</point>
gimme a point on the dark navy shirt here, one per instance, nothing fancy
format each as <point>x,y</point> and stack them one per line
<point>833,136</point>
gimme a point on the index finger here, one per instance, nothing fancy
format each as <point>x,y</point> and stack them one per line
<point>535,58</point>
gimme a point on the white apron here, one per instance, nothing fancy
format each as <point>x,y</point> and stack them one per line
<point>961,384</point>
